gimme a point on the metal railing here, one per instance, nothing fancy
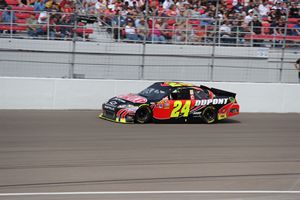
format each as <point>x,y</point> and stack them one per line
<point>176,30</point>
<point>42,25</point>
<point>275,53</point>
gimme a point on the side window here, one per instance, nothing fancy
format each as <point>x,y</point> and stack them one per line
<point>200,94</point>
<point>180,94</point>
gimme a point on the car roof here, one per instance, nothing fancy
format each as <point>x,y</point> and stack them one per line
<point>177,84</point>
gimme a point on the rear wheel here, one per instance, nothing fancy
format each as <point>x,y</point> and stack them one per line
<point>143,115</point>
<point>209,115</point>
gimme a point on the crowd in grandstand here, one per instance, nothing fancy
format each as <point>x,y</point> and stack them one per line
<point>191,20</point>
<point>163,20</point>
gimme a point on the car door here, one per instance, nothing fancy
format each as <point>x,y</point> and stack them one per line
<point>176,105</point>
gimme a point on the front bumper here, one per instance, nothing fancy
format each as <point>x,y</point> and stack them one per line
<point>120,116</point>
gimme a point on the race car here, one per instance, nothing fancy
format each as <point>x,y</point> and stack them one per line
<point>171,101</point>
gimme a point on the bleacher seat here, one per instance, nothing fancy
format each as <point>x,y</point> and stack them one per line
<point>23,8</point>
<point>22,15</point>
<point>14,28</point>
<point>12,2</point>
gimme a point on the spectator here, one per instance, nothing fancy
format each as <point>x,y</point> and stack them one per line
<point>142,30</point>
<point>296,30</point>
<point>100,6</point>
<point>195,12</point>
<point>278,27</point>
<point>225,32</point>
<point>257,12</point>
<point>3,4</point>
<point>43,17</point>
<point>297,66</point>
<point>249,17</point>
<point>264,8</point>
<point>167,4</point>
<point>294,11</point>
<point>39,6</point>
<point>206,19</point>
<point>237,32</point>
<point>157,32</point>
<point>181,16</point>
<point>250,6</point>
<point>8,16</point>
<point>22,3</point>
<point>66,27</point>
<point>171,12</point>
<point>255,26</point>
<point>130,31</point>
<point>180,34</point>
<point>272,16</point>
<point>34,29</point>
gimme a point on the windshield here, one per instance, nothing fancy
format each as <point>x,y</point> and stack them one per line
<point>155,92</point>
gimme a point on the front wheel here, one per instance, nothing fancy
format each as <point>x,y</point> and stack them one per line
<point>143,115</point>
<point>209,115</point>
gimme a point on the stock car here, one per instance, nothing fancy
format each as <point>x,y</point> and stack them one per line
<point>171,101</point>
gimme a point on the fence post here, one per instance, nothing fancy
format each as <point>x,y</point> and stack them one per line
<point>144,42</point>
<point>11,22</point>
<point>72,65</point>
<point>214,44</point>
<point>283,46</point>
<point>48,25</point>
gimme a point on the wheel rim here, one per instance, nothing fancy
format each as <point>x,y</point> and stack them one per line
<point>143,115</point>
<point>209,115</point>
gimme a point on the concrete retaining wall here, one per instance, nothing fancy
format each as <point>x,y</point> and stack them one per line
<point>34,93</point>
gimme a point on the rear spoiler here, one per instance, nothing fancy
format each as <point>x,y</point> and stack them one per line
<point>219,92</point>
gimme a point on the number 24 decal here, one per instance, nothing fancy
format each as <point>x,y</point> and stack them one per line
<point>185,109</point>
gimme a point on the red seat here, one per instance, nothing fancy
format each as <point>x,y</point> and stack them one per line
<point>293,20</point>
<point>290,26</point>
<point>12,2</point>
<point>25,8</point>
<point>194,22</point>
<point>21,21</point>
<point>22,15</point>
<point>14,28</point>
<point>84,30</point>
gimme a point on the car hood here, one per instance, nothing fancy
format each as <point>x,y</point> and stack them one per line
<point>128,99</point>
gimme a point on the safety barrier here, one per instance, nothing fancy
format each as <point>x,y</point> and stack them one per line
<point>29,93</point>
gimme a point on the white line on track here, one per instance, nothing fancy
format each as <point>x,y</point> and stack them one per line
<point>147,192</point>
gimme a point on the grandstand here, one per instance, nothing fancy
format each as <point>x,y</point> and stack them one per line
<point>266,26</point>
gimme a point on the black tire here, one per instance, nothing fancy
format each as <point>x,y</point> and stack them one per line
<point>143,115</point>
<point>209,115</point>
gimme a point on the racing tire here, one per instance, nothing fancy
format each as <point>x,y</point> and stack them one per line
<point>143,115</point>
<point>209,115</point>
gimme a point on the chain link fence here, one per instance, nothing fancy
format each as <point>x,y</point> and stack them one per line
<point>69,45</point>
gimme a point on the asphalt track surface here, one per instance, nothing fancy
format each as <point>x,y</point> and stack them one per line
<point>74,151</point>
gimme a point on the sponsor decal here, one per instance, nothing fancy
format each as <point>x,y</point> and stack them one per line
<point>109,107</point>
<point>133,98</point>
<point>231,99</point>
<point>205,102</point>
<point>113,103</point>
<point>118,99</point>
<point>197,113</point>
